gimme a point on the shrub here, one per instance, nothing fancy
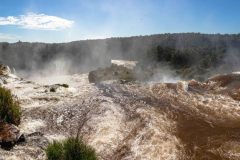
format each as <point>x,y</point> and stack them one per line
<point>70,149</point>
<point>10,110</point>
<point>54,151</point>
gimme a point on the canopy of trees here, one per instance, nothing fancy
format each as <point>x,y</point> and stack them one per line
<point>181,50</point>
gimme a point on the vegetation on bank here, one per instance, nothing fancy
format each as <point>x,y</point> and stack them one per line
<point>70,149</point>
<point>190,54</point>
<point>10,110</point>
<point>188,63</point>
<point>182,58</point>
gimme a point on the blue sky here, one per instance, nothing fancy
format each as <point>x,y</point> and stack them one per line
<point>69,20</point>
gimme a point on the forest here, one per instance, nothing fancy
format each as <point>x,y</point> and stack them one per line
<point>191,55</point>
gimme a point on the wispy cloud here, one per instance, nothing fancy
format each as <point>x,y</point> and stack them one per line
<point>37,21</point>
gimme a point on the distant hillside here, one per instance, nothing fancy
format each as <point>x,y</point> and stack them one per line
<point>181,51</point>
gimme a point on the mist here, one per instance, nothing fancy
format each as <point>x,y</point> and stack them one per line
<point>164,74</point>
<point>37,60</point>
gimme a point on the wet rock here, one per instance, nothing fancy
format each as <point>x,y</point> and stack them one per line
<point>9,135</point>
<point>119,70</point>
<point>4,70</point>
<point>55,87</point>
<point>123,71</point>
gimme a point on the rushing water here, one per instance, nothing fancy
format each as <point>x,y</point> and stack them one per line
<point>169,121</point>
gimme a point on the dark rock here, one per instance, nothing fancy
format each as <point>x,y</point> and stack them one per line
<point>63,85</point>
<point>53,89</point>
<point>9,135</point>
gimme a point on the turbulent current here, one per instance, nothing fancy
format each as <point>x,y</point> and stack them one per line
<point>132,121</point>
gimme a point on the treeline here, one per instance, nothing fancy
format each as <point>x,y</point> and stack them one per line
<point>191,63</point>
<point>184,50</point>
<point>210,57</point>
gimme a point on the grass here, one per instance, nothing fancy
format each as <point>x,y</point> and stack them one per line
<point>10,110</point>
<point>54,151</point>
<point>70,149</point>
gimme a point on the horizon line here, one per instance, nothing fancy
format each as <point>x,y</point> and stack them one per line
<point>116,37</point>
